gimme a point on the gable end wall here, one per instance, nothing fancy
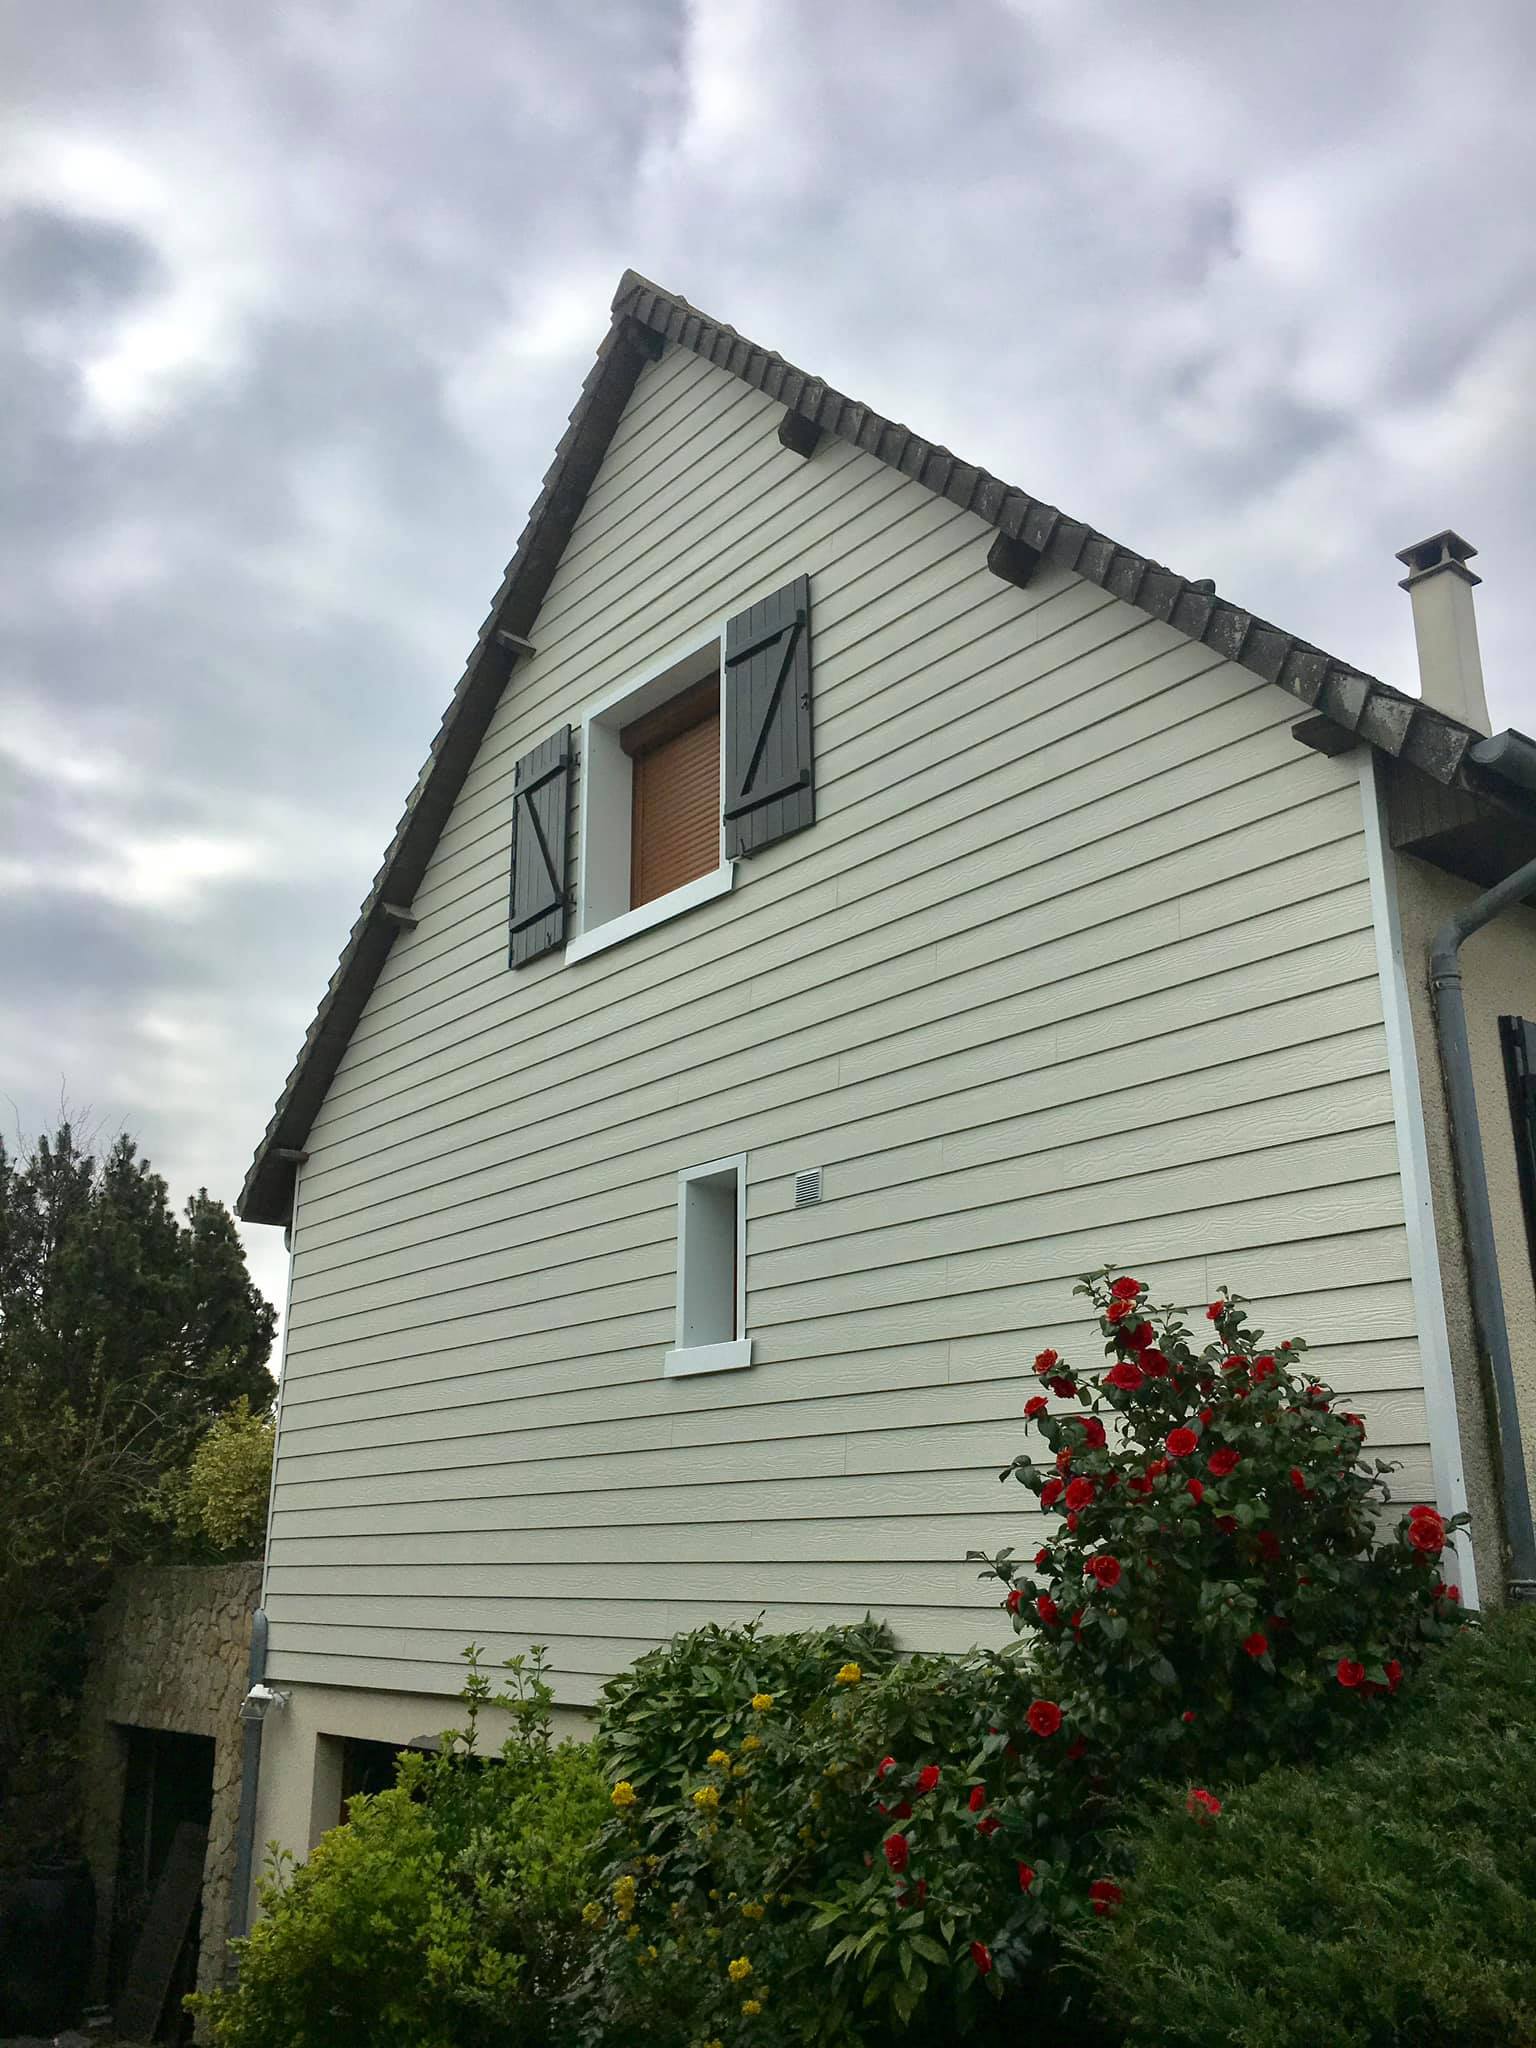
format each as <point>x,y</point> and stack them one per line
<point>1076,964</point>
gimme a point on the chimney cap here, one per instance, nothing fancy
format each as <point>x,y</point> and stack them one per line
<point>1444,550</point>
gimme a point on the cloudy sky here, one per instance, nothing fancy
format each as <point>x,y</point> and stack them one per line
<point>294,299</point>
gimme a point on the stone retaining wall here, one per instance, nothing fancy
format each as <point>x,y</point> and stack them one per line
<point>169,1651</point>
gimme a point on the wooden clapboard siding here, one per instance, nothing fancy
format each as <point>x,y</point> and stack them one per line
<point>1076,962</point>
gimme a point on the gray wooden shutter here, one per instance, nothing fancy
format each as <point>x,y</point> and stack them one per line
<point>541,809</point>
<point>770,783</point>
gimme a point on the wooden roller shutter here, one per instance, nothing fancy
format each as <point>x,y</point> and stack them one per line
<point>541,809</point>
<point>770,783</point>
<point>675,800</point>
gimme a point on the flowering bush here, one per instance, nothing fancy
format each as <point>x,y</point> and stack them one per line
<point>1218,1592</point>
<point>906,1849</point>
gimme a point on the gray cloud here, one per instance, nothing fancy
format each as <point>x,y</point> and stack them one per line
<point>297,299</point>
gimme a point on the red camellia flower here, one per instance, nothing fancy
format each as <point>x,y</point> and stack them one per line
<point>1264,1369</point>
<point>978,1798</point>
<point>1227,1524</point>
<point>1093,1432</point>
<point>1206,1414</point>
<point>1195,1488</point>
<point>988,1824</point>
<point>1154,1363</point>
<point>896,1851</point>
<point>1257,1645</point>
<point>1189,1713</point>
<point>1063,1459</point>
<point>1350,1674</point>
<point>1299,1479</point>
<point>1182,1442</point>
<point>1105,1894</point>
<point>1125,1288</point>
<point>1026,1876</point>
<point>1394,1672</point>
<point>1220,1463</point>
<point>981,1956</point>
<point>1051,1492</point>
<point>1127,1376</point>
<point>1140,1337</point>
<point>1072,1522</point>
<point>1233,1364</point>
<point>1157,1468</point>
<point>1047,1610</point>
<point>1042,1558</point>
<point>1216,1311</point>
<point>1105,1569</point>
<point>916,1896</point>
<point>1015,1599</point>
<point>1046,1361</point>
<point>1081,1494</point>
<point>1203,1805</point>
<point>1426,1536</point>
<point>927,1778</point>
<point>1117,1311</point>
<point>1044,1717</point>
<point>903,1811</point>
<point>1139,1484</point>
<point>1063,1388</point>
<point>1036,1405</point>
<point>887,1763</point>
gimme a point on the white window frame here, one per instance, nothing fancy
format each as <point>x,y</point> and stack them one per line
<point>728,1355</point>
<point>607,776</point>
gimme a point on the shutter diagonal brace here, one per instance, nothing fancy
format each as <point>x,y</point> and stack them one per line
<point>531,811</point>
<point>790,634</point>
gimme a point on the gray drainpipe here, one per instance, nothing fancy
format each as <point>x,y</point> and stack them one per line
<point>250,1779</point>
<point>1482,1254</point>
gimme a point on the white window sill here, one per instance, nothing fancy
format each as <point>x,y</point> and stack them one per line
<point>708,1358</point>
<point>703,889</point>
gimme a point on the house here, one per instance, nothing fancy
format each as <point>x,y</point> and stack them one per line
<point>847,899</point>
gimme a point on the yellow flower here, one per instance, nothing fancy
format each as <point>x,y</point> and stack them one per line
<point>751,2007</point>
<point>753,1741</point>
<point>761,1702</point>
<point>711,1934</point>
<point>714,1891</point>
<point>751,1912</point>
<point>592,1913</point>
<point>648,1955</point>
<point>715,2043</point>
<point>706,1796</point>
<point>849,1675</point>
<point>738,1969</point>
<point>624,1794</point>
<point>717,1757</point>
<point>624,1892</point>
<point>653,1863</point>
<point>631,1934</point>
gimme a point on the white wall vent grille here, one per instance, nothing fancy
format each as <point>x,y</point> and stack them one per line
<point>808,1187</point>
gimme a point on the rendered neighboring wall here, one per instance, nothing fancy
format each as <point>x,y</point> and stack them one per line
<point>1077,963</point>
<point>169,1651</point>
<point>1499,979</point>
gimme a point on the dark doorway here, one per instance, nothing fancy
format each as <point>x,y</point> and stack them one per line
<point>167,1780</point>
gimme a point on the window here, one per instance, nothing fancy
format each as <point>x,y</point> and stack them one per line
<point>674,805</point>
<point>703,761</point>
<point>652,841</point>
<point>1518,1038</point>
<point>711,1269</point>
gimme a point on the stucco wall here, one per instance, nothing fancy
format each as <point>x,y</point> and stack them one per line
<point>169,1652</point>
<point>1499,970</point>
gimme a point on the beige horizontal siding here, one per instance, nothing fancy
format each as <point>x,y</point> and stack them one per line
<point>1077,963</point>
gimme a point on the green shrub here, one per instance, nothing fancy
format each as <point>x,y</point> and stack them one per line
<point>446,1913</point>
<point>220,1500</point>
<point>1387,1897</point>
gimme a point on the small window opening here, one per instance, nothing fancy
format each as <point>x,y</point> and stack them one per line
<point>711,1275</point>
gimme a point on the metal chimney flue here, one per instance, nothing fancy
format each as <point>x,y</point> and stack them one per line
<point>1440,586</point>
